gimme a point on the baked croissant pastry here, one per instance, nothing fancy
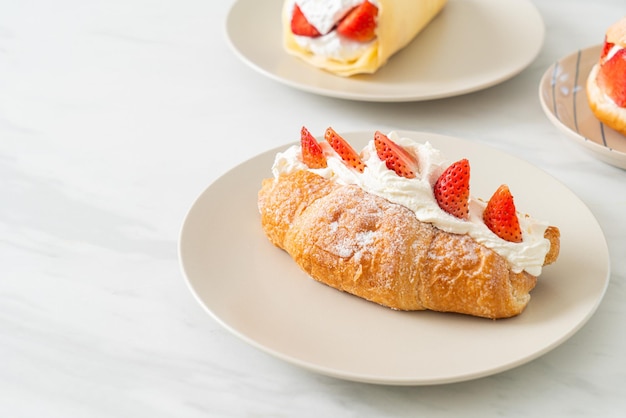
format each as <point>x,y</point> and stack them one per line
<point>347,235</point>
<point>606,83</point>
<point>347,37</point>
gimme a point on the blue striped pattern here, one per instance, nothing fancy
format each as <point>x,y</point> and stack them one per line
<point>562,86</point>
<point>575,90</point>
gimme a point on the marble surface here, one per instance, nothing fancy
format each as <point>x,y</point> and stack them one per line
<point>115,115</point>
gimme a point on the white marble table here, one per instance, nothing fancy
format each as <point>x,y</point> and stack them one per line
<point>115,115</point>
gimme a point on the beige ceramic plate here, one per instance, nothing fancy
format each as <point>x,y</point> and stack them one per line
<point>564,100</point>
<point>258,293</point>
<point>470,45</point>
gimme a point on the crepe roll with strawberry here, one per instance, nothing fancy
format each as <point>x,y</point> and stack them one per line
<point>606,83</point>
<point>396,224</point>
<point>347,37</point>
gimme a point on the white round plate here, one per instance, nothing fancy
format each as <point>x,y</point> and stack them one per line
<point>563,97</point>
<point>470,45</point>
<point>259,294</point>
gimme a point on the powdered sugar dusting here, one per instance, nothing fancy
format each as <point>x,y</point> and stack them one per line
<point>365,238</point>
<point>355,246</point>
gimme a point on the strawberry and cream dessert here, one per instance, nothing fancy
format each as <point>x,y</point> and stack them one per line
<point>348,37</point>
<point>342,30</point>
<point>398,215</point>
<point>606,83</point>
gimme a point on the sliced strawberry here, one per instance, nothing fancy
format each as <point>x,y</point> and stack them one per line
<point>612,77</point>
<point>360,23</point>
<point>397,158</point>
<point>345,151</point>
<point>452,189</point>
<point>300,25</point>
<point>606,48</point>
<point>500,215</point>
<point>312,154</point>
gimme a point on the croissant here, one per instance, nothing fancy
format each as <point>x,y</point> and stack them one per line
<point>362,244</point>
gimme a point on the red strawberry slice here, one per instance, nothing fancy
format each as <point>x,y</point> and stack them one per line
<point>397,158</point>
<point>360,23</point>
<point>345,151</point>
<point>312,154</point>
<point>300,25</point>
<point>500,215</point>
<point>612,77</point>
<point>452,189</point>
<point>606,48</point>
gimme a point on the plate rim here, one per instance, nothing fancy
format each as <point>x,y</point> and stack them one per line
<point>607,154</point>
<point>332,91</point>
<point>408,381</point>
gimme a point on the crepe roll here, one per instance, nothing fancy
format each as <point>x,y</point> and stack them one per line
<point>347,37</point>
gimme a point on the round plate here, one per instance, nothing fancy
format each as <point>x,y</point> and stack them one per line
<point>564,100</point>
<point>470,45</point>
<point>259,294</point>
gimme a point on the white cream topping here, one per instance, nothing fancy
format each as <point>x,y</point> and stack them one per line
<point>333,46</point>
<point>417,195</point>
<point>324,15</point>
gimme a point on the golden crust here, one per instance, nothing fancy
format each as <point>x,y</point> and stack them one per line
<point>602,106</point>
<point>280,205</point>
<point>365,245</point>
<point>552,234</point>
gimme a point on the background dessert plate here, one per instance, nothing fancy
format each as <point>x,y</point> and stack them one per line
<point>259,294</point>
<point>564,100</point>
<point>470,45</point>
